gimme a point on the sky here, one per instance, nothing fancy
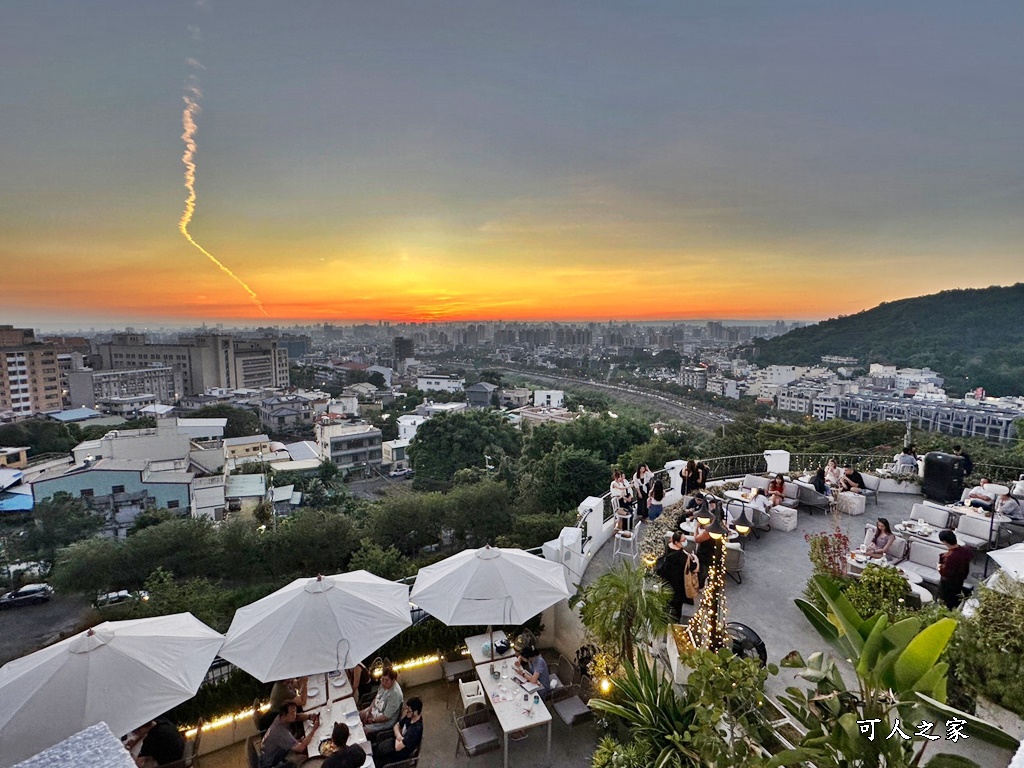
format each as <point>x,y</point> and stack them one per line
<point>429,160</point>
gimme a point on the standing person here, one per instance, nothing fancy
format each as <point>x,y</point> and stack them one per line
<point>954,568</point>
<point>359,680</point>
<point>622,501</point>
<point>386,707</point>
<point>408,735</point>
<point>703,475</point>
<point>656,500</point>
<point>641,489</point>
<point>688,474</point>
<point>673,570</point>
<point>967,462</point>
<point>705,551</point>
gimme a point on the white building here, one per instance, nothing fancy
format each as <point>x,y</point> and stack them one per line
<point>548,398</point>
<point>395,453</point>
<point>353,447</point>
<point>408,424</point>
<point>440,383</point>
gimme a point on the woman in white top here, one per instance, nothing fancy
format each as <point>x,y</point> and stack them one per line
<point>621,497</point>
<point>832,473</point>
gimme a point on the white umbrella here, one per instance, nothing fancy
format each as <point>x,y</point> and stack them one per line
<point>489,586</point>
<point>1011,560</point>
<point>123,673</point>
<point>316,625</point>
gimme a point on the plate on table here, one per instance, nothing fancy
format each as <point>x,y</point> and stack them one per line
<point>312,691</point>
<point>339,682</point>
<point>327,747</point>
<point>860,559</point>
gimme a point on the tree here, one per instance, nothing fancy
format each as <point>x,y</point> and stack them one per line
<point>90,566</point>
<point>477,514</point>
<point>450,442</point>
<point>562,479</point>
<point>310,542</point>
<point>41,436</point>
<point>387,563</point>
<point>621,608</point>
<point>200,597</point>
<point>408,522</point>
<point>241,421</point>
<point>149,518</point>
<point>58,521</point>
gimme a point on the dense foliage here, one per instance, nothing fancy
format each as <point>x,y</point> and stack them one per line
<point>974,338</point>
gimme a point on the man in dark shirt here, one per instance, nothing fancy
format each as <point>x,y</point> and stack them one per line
<point>346,755</point>
<point>161,743</point>
<point>851,480</point>
<point>280,744</point>
<point>408,736</point>
<point>968,465</point>
<point>954,568</point>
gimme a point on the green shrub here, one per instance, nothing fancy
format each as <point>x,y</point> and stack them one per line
<point>988,649</point>
<point>879,589</point>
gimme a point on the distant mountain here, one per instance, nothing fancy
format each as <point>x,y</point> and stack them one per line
<point>972,337</point>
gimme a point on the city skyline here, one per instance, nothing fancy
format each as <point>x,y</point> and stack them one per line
<point>473,161</point>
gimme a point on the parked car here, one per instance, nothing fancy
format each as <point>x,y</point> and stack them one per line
<point>30,594</point>
<point>121,596</point>
<point>400,473</point>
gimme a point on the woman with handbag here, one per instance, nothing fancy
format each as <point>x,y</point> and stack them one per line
<point>672,568</point>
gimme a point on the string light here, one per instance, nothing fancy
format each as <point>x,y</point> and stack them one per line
<point>707,628</point>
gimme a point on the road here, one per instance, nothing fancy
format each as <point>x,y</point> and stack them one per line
<point>702,416</point>
<point>30,627</point>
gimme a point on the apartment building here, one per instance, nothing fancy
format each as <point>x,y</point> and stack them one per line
<point>695,377</point>
<point>29,374</point>
<point>205,361</point>
<point>439,383</point>
<point>87,387</point>
<point>354,447</point>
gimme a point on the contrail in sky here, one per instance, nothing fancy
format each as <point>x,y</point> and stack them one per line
<point>188,122</point>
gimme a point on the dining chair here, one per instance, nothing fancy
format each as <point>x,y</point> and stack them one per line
<point>460,669</point>
<point>472,693</point>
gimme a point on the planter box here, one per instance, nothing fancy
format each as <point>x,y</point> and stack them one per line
<point>892,485</point>
<point>1000,717</point>
<point>428,673</point>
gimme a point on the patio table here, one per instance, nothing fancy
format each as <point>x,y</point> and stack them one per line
<point>856,569</point>
<point>336,712</point>
<point>338,686</point>
<point>475,645</point>
<point>514,714</point>
<point>316,692</point>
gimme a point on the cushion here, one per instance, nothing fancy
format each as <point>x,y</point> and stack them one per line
<point>783,518</point>
<point>851,503</point>
<point>572,709</point>
<point>479,738</point>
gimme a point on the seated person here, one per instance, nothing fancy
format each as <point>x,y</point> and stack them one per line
<point>531,665</point>
<point>383,712</point>
<point>293,689</point>
<point>345,755</point>
<point>758,501</point>
<point>833,474</point>
<point>851,481</point>
<point>408,736</point>
<point>161,743</point>
<point>819,482</point>
<point>280,747</point>
<point>980,497</point>
<point>691,507</point>
<point>881,541</point>
<point>777,490</point>
<point>906,462</point>
<point>1009,506</point>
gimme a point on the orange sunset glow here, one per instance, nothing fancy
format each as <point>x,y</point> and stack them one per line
<point>258,164</point>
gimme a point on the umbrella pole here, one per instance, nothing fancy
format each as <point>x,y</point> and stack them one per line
<point>490,630</point>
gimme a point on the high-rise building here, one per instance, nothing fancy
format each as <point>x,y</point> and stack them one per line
<point>204,360</point>
<point>29,376</point>
<point>403,349</point>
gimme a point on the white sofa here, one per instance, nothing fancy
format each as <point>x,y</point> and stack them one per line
<point>923,559</point>
<point>937,517</point>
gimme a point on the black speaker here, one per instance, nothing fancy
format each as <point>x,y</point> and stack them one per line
<point>943,477</point>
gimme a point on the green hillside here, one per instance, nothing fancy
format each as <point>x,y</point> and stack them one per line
<point>972,337</point>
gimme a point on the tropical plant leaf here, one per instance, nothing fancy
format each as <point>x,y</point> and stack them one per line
<point>974,726</point>
<point>819,621</point>
<point>849,620</point>
<point>922,652</point>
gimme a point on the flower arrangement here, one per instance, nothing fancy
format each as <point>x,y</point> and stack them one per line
<point>829,551</point>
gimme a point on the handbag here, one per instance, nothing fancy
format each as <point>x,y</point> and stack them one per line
<point>691,578</point>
